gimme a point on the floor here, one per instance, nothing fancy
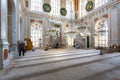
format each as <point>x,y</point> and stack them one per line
<point>64,64</point>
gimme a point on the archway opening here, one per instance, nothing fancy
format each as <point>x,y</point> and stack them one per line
<point>36,34</point>
<point>101,29</point>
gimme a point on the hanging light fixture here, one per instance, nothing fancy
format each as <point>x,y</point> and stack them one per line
<point>72,31</point>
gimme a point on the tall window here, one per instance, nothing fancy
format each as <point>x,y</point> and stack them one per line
<point>55,7</point>
<point>36,34</point>
<point>102,34</point>
<point>36,5</point>
<point>82,11</point>
<point>70,9</point>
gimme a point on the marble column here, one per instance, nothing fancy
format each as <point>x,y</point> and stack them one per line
<point>46,24</point>
<point>4,61</point>
<point>22,28</point>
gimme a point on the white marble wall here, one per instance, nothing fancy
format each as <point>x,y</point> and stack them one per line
<point>115,24</point>
<point>4,30</point>
<point>25,26</point>
<point>113,20</point>
<point>3,33</point>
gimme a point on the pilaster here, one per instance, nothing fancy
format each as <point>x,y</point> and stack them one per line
<point>4,60</point>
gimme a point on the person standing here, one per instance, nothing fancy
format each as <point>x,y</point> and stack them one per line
<point>22,48</point>
<point>18,46</point>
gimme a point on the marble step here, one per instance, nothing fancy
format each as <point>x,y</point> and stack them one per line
<point>28,71</point>
<point>43,56</point>
<point>51,59</point>
<point>108,69</point>
<point>38,52</point>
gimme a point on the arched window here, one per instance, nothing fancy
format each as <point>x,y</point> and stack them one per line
<point>70,9</point>
<point>101,39</point>
<point>36,33</point>
<point>36,5</point>
<point>55,7</point>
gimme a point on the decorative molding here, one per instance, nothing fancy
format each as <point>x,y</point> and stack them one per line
<point>32,20</point>
<point>40,21</point>
<point>95,19</point>
<point>56,25</point>
<point>105,15</point>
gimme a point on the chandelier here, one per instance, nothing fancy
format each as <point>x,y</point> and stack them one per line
<point>71,30</point>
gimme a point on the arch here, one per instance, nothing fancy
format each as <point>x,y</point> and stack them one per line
<point>101,29</point>
<point>38,23</point>
<point>12,24</point>
<point>36,34</point>
<point>100,19</point>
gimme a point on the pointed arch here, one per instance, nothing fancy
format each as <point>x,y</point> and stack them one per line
<point>36,33</point>
<point>101,30</point>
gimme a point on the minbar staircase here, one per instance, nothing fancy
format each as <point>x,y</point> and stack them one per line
<point>80,41</point>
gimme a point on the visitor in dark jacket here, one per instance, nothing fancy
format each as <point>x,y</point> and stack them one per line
<point>21,47</point>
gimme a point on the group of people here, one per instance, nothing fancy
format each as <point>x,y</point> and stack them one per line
<point>21,48</point>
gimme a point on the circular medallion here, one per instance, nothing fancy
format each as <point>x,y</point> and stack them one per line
<point>89,6</point>
<point>63,11</point>
<point>46,7</point>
